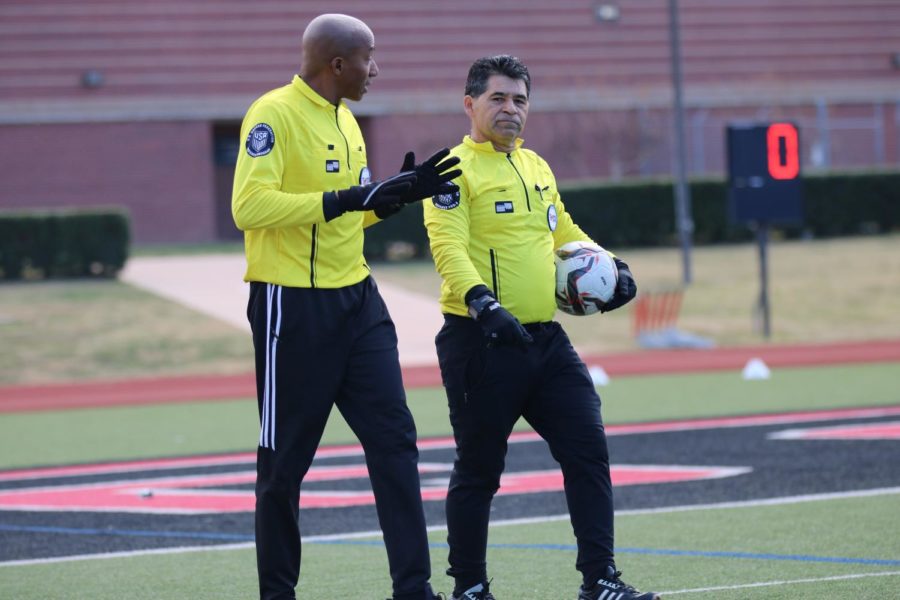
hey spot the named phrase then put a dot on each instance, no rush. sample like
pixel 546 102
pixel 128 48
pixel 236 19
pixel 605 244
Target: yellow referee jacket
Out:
pixel 500 231
pixel 297 146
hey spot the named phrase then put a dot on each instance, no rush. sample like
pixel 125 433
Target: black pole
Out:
pixel 762 236
pixel 684 223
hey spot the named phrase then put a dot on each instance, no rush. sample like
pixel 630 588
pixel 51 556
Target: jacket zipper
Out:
pixel 312 256
pixel 495 274
pixel 524 187
pixel 315 228
pixel 346 143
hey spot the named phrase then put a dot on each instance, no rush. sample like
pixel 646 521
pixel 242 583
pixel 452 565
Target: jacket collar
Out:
pixel 303 87
pixel 487 146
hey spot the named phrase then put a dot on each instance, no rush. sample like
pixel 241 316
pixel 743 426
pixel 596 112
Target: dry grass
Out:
pixel 59 331
pixel 842 289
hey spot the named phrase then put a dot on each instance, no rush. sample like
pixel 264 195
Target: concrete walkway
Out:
pixel 213 284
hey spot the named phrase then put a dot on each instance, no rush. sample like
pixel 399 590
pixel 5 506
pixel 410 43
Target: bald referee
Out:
pixel 303 194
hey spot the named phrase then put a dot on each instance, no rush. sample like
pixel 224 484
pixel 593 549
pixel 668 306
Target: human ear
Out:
pixel 467 104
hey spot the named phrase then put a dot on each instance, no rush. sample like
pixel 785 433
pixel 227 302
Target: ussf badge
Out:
pixel 552 217
pixel 447 199
pixel 260 140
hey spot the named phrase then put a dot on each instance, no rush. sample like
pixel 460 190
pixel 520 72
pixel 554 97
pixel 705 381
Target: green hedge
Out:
pixel 642 213
pixel 63 243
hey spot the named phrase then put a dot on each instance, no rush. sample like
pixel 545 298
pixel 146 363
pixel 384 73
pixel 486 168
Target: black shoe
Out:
pixel 476 592
pixel 611 587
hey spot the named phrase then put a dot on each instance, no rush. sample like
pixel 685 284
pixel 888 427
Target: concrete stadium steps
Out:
pixel 234 47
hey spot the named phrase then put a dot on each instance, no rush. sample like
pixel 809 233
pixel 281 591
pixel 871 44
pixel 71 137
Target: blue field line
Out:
pixel 662 552
pixel 234 537
pixel 193 535
pixel 765 556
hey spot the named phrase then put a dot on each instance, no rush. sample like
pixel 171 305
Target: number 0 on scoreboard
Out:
pixel 764 184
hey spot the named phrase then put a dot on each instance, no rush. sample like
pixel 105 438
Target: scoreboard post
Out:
pixel 764 187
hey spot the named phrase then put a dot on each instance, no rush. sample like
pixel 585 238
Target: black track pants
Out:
pixel 488 389
pixel 316 348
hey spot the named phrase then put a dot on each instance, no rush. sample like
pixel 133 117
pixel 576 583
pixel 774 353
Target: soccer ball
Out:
pixel 586 277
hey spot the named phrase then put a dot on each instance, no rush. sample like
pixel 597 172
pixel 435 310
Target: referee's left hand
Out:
pixel 431 176
pixel 626 288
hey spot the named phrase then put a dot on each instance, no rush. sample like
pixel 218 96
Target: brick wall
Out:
pixel 601 106
pixel 161 172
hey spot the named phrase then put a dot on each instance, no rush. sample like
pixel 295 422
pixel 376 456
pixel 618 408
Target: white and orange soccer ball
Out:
pixel 586 278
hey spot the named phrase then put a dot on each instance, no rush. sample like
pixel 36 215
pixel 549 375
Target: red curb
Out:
pixel 684 361
pixel 192 388
pixel 149 390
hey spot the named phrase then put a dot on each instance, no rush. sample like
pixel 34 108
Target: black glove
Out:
pixel 389 210
pixel 367 197
pixel 500 327
pixel 431 175
pixel 626 288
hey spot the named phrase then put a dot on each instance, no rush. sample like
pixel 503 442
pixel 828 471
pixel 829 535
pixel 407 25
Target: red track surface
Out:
pixel 219 387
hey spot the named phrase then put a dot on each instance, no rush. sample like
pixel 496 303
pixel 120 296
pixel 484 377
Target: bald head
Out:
pixel 337 57
pixel 333 36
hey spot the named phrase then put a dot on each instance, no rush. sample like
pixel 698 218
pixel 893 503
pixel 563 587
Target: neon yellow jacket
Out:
pixel 297 146
pixel 501 231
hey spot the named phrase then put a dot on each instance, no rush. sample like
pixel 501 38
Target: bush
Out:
pixel 643 213
pixel 63 243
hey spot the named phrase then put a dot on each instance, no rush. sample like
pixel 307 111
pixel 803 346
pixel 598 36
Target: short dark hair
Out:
pixel 503 64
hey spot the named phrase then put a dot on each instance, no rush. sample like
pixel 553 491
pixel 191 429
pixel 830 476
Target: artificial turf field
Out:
pixel 814 517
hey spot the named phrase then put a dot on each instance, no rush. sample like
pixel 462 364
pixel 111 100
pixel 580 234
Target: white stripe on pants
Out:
pixel 267 428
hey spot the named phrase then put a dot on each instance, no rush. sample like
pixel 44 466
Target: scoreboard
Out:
pixel 764 184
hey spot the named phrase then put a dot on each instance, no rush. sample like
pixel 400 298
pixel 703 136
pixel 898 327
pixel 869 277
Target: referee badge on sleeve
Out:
pixel 260 140
pixel 447 199
pixel 552 217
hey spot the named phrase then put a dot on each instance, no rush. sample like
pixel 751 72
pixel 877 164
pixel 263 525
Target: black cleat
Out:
pixel 610 587
pixel 476 592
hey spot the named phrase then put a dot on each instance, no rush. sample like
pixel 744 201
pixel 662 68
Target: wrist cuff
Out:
pixel 331 206
pixel 480 304
pixel 476 292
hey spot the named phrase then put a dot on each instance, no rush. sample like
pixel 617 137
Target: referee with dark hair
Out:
pixel 501 355
pixel 321 332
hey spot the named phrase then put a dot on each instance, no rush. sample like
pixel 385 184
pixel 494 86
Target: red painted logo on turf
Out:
pixel 216 493
pixel 871 431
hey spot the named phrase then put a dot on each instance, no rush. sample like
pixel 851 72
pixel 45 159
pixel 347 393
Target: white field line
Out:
pixel 130 554
pixel 724 588
pixel 434 528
